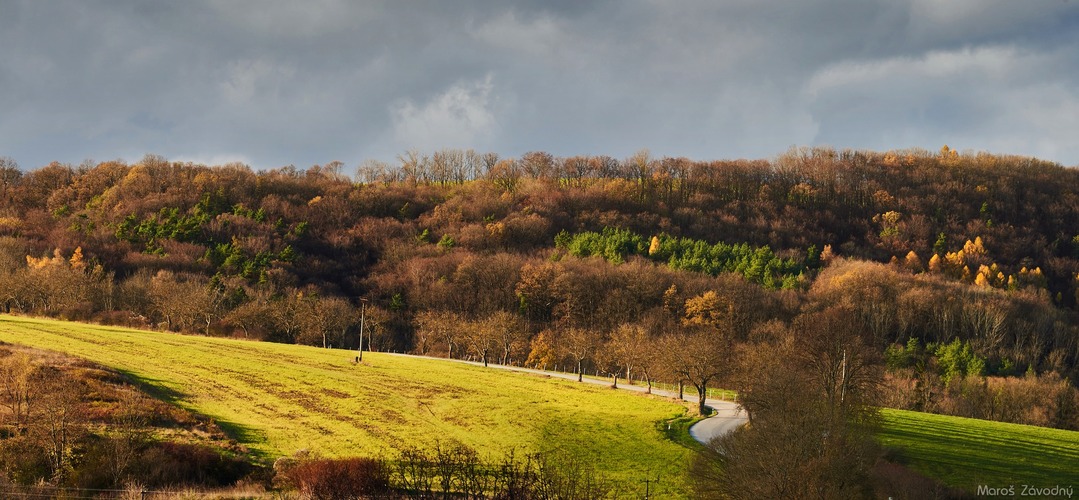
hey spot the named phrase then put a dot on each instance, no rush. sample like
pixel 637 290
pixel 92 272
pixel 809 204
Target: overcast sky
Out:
pixel 273 83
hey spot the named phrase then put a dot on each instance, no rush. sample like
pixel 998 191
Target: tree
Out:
pixel 579 344
pixel 508 332
pixel 19 390
pixel 287 316
pixel 812 414
pixel 185 301
pixel 60 423
pixel 435 326
pixel 326 319
pixel 628 348
pixel 700 356
pixel 55 284
pixel 734 308
pixel 913 263
pixel 482 337
pixel 535 292
pixel 839 360
pixel 129 421
pixel 609 362
pixel 379 327
pixel 935 265
pixel 542 352
pixel 505 174
pixel 254 315
pixel 537 164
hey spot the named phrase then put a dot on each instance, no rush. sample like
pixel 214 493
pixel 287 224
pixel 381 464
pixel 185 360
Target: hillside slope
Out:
pixel 277 399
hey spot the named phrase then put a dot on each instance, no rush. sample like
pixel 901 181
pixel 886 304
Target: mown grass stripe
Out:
pixel 967 452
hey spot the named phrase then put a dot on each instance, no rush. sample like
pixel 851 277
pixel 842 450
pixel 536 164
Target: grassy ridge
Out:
pixel 965 452
pixel 277 399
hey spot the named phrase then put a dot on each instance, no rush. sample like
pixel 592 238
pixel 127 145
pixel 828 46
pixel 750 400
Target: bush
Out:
pixel 340 479
pixel 170 464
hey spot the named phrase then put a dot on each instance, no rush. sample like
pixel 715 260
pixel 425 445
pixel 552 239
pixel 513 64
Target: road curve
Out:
pixel 727 416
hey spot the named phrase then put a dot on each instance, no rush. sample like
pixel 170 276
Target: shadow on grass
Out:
pixel 244 434
pixel 153 387
pixel 965 453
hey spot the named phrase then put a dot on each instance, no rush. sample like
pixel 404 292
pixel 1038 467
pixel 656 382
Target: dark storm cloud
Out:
pixel 278 82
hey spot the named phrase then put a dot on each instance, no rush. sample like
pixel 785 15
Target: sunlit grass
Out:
pixel 277 399
pixel 965 452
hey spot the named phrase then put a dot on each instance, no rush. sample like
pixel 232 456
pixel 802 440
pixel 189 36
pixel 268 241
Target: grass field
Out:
pixel 965 453
pixel 277 399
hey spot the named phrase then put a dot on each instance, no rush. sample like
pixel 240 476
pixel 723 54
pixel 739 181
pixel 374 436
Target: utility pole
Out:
pixel 363 309
pixel 843 380
pixel 648 486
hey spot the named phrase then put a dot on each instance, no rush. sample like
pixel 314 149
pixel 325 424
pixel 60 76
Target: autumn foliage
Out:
pixel 551 261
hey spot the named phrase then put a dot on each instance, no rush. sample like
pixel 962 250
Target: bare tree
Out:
pixel 19 392
pixel 579 344
pixel 436 326
pixel 482 337
pixel 699 356
pixel 326 319
pixel 630 349
pixel 807 440
pixel 60 423
pixel 508 331
pixel 287 314
pixel 253 315
pixel 843 366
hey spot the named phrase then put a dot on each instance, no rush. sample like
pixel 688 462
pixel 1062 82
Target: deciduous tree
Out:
pixel 700 356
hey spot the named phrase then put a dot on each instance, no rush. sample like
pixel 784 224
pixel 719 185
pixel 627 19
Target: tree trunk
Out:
pixel 702 392
pixel 681 393
pixel 614 375
pixel 580 371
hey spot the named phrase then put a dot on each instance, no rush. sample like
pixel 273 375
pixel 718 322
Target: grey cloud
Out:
pixel 277 82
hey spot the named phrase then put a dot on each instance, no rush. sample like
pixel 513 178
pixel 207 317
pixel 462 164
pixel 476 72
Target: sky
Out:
pixel 279 82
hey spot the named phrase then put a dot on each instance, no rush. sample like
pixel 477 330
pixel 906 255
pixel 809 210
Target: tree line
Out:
pixel 558 261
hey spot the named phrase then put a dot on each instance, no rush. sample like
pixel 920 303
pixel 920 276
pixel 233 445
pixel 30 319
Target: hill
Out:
pixel 278 399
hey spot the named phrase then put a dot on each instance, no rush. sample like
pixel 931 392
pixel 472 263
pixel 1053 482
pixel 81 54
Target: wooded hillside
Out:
pixel 510 259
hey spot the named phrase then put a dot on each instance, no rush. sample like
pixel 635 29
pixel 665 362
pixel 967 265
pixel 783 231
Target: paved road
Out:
pixel 728 415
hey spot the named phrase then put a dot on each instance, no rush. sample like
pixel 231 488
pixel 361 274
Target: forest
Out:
pixel 925 247
pixel 820 285
pixel 959 271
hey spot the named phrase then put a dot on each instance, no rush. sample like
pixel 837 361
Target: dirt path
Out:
pixel 728 415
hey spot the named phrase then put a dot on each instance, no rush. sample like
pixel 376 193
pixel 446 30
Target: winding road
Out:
pixel 727 415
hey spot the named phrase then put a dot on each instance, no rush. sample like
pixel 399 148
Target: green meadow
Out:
pixel 277 399
pixel 966 452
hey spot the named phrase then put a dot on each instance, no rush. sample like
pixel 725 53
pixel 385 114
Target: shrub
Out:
pixel 169 464
pixel 341 479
